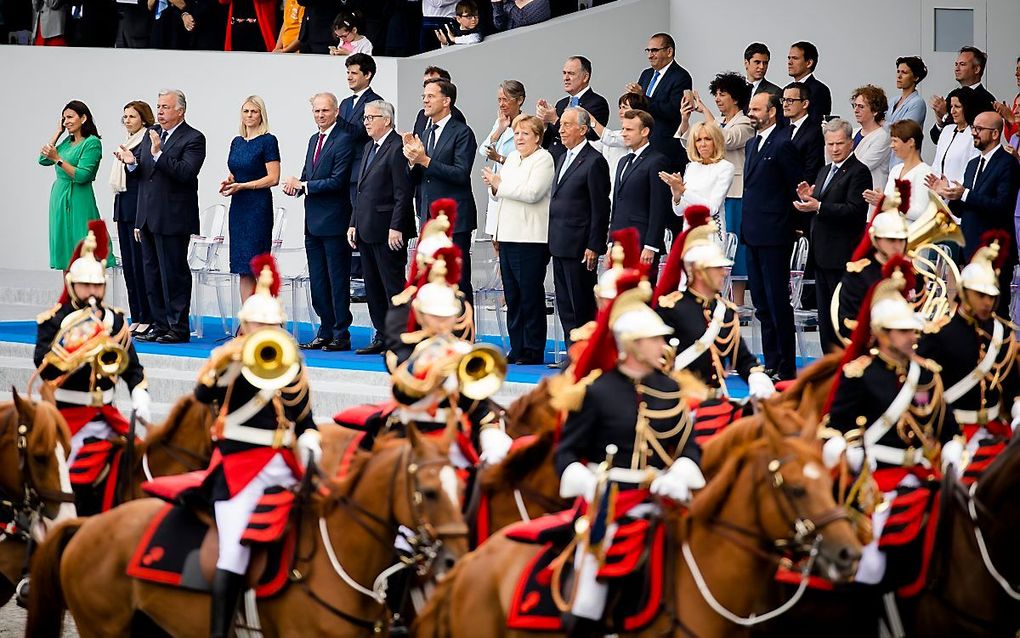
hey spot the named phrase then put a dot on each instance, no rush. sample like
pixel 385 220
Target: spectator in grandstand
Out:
pixel 664 83
pixel 49 18
pixel 1011 113
pixel 420 120
pixel 316 34
pixel 206 24
pixel 290 28
pixel 613 147
pixel 171 25
pixel 251 25
pixel 576 82
pixel 496 147
pixel 801 63
pixel 708 177
pixel 871 141
pixel 467 29
pixel 956 145
pixel 135 26
pixel 756 65
pixel 347 31
pixel 512 14
pixel 906 137
pixel 910 71
pixel 968 71
pixel 436 15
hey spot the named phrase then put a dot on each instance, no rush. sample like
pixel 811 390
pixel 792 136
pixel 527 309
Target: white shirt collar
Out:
pixel 754 85
pixel 975 86
pixel 805 78
pixel 357 94
pixel 797 123
pixel 764 135
pixel 171 131
pixel 988 156
pixel 382 139
pixel 441 124
pixel 640 150
pixel 329 130
pixel 580 93
pixel 839 165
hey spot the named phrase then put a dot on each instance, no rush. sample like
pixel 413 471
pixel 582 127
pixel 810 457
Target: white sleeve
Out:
pixel 528 186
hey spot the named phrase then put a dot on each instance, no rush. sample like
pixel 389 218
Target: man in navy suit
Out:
pixel 576 82
pixel 578 220
pixel 804 132
pixel 441 156
pixel 772 170
pixel 435 73
pixel 801 63
pixel 968 71
pixel 169 163
pixel 324 183
pixel 383 217
pixel 360 73
pixel 640 199
pixel 986 200
pixel 664 83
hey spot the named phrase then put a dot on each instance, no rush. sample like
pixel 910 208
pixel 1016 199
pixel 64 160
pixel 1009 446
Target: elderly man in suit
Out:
pixel 323 183
pixel 801 63
pixel 640 199
pixel 664 83
pixel 576 82
pixel 835 202
pixel 441 157
pixel 772 170
pixel 756 65
pixel 383 218
pixel 169 162
pixel 986 200
pixel 578 220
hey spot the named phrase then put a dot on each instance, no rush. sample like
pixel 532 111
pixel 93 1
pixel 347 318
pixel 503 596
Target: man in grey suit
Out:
pixel 756 65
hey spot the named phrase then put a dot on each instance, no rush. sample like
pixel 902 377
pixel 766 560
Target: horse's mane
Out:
pixel 524 405
pixel 518 464
pixel 166 430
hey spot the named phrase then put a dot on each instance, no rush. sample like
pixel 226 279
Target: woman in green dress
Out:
pixel 72 201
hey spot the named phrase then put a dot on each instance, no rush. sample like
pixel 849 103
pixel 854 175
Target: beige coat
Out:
pixel 522 212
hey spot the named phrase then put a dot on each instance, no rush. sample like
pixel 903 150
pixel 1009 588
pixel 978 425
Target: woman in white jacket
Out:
pixel 708 176
pixel 871 141
pixel 907 137
pixel 521 236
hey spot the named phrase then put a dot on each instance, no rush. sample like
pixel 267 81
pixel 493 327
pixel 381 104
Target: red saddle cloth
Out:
pixel 364 417
pixel 987 451
pixel 712 416
pixel 98 465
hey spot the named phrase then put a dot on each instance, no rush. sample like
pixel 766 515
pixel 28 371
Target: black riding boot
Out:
pixel 226 595
pixel 397 592
pixel 583 627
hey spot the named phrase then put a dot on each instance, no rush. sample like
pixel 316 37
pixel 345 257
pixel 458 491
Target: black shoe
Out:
pixel 150 335
pixel 530 360
pixel 337 345
pixel 584 628
pixel 171 337
pixel 226 596
pixel 314 344
pixel 376 347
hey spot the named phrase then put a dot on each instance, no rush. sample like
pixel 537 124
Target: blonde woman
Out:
pixel 254 165
pixel 708 176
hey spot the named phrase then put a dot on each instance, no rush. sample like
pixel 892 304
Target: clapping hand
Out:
pixel 805 190
pixel 807 203
pixel 938 104
pixel 1004 111
pixel 944 187
pixel 49 151
pixel 228 186
pixel 634 87
pixel 156 146
pixel 491 179
pixel 675 181
pixel 414 150
pixel 1012 150
pixel 546 112
pixel 873 197
pixel 124 154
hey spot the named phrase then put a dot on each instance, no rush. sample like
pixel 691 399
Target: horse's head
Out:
pixel 34 445
pixel 998 492
pixel 534 412
pixel 187 429
pixel 770 484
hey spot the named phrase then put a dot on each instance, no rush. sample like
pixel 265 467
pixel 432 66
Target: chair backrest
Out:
pixel 730 245
pixel 205 247
pixel 279 226
pixel 797 262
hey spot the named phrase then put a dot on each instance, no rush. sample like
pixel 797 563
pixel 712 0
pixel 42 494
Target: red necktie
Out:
pixel 318 147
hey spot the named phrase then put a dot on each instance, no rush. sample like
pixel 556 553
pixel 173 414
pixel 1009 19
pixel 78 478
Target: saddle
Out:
pixel 713 415
pixel 95 474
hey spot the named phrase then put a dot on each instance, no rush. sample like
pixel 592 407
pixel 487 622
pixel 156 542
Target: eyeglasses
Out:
pixel 655 50
pixel 981 128
pixel 368 118
pixel 857 106
pixel 467 16
pixel 790 100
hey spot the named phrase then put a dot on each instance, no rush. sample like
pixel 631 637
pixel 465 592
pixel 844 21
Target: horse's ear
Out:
pixel 810 416
pixel 414 436
pixel 770 430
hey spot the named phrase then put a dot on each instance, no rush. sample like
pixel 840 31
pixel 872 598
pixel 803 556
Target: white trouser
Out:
pixel 98 429
pixel 871 568
pixel 232 516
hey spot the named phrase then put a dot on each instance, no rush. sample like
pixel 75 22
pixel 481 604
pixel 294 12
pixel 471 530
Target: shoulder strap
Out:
pixel 704 342
pixel 964 385
pixel 899 405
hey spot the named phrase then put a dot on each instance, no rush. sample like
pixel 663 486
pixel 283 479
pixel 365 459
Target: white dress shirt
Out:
pixel 440 127
pixel 954 150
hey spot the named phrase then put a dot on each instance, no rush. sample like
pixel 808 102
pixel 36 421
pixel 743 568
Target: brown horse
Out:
pixel 768 490
pixel 35 489
pixel 348 531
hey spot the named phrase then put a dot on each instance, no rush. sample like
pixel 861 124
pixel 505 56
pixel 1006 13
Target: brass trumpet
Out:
pixel 933 262
pixel 481 372
pixel 269 358
pixel 110 360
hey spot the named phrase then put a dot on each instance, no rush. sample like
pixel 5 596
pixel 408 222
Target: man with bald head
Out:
pixel 986 200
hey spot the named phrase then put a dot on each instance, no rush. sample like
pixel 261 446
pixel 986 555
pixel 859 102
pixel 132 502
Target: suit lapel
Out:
pixel 383 148
pixel 326 144
pixel 445 135
pixel 756 158
pixel 181 130
pixel 582 156
pixel 630 169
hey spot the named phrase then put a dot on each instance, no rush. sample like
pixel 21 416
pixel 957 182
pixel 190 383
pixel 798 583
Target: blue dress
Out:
pixel 251 211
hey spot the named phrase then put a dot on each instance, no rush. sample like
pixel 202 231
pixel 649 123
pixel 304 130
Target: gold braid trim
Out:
pixel 566 396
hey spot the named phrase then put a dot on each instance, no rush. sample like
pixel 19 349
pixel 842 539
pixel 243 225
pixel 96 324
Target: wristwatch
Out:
pixel 60 162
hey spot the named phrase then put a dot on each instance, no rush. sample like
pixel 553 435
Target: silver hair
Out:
pixel 583 116
pixel 838 124
pixel 332 98
pixel 182 102
pixel 385 109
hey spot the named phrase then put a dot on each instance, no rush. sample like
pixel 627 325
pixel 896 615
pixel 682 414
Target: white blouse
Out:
pixel 522 214
pixel 873 152
pixel 918 189
pixel 707 185
pixel 953 152
pixel 736 134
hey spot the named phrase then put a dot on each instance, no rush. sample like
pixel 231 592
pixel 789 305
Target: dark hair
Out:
pixel 667 40
pixel 916 66
pixel 88 129
pixel 637 101
pixel 755 48
pixel 466 7
pixel 584 62
pixel 971 108
pixel 775 102
pixel 734 85
pixel 978 54
pixel 363 61
pixel 435 70
pixel 810 52
pixel 446 87
pixel 647 121
pixel 144 111
pixel 350 20
pixel 906 130
pixel 802 89
pixel 875 97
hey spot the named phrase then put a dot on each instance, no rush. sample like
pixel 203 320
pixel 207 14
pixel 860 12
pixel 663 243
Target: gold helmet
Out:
pixel 624 256
pixel 87 265
pixel 263 306
pixel 982 273
pixel 439 297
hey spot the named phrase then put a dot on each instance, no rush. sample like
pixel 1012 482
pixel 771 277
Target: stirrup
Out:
pixel 21 593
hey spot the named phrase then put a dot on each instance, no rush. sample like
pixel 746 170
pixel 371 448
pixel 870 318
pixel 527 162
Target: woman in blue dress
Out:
pixel 254 164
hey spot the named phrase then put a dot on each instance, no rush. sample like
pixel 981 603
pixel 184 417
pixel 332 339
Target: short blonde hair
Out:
pixel 262 128
pixel 536 125
pixel 717 137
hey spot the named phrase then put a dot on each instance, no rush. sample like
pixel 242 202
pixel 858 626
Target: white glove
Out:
pixel 140 403
pixel 760 386
pixel 952 454
pixel 855 459
pixel 309 443
pixel 495 445
pixel 832 451
pixel 678 481
pixel 1015 413
pixel 578 480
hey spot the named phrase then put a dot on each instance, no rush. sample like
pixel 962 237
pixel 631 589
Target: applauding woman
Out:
pixel 708 176
pixel 72 201
pixel 254 164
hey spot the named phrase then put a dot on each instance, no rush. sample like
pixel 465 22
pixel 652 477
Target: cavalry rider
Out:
pixel 887 406
pixel 263 405
pixel 82 347
pixel 978 353
pixel 884 238
pixel 626 401
pixel 705 326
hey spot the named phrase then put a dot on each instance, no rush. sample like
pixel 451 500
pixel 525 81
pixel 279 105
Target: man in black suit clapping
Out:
pixel 835 202
pixel 383 217
pixel 576 82
pixel 578 220
pixel 664 83
pixel 169 161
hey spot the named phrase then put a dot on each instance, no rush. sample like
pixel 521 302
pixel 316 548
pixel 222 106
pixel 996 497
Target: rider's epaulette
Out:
pixel 43 317
pixel 855 369
pixel 729 304
pixel 857 266
pixel 929 364
pixel 404 296
pixel 668 301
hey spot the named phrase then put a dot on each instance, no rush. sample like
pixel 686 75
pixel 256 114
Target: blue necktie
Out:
pixel 370 158
pixel 574 101
pixel 160 7
pixel 651 85
pixel 430 141
pixel 832 173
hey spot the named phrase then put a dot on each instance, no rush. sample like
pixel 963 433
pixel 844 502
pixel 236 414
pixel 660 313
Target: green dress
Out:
pixel 72 201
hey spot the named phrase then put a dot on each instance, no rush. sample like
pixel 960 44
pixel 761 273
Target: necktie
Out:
pixel 627 161
pixel 371 157
pixel 566 164
pixel 652 83
pixel 162 138
pixel 574 101
pixel 318 149
pixel 977 173
pixel 160 7
pixel 430 141
pixel 754 149
pixel 832 173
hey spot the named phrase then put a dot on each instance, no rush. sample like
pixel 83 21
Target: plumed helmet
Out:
pixel 263 306
pixel 981 274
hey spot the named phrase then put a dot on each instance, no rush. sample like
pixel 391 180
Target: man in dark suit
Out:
pixel 360 73
pixel 441 156
pixel 756 65
pixel 835 203
pixel 772 171
pixel 576 79
pixel 435 73
pixel 323 182
pixel 578 220
pixel 135 26
pixel 804 132
pixel 383 217
pixel 169 162
pixel 640 199
pixel 968 71
pixel 986 200
pixel 664 83
pixel 801 63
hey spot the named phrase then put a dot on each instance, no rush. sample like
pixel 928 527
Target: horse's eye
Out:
pixel 798 491
pixel 430 493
